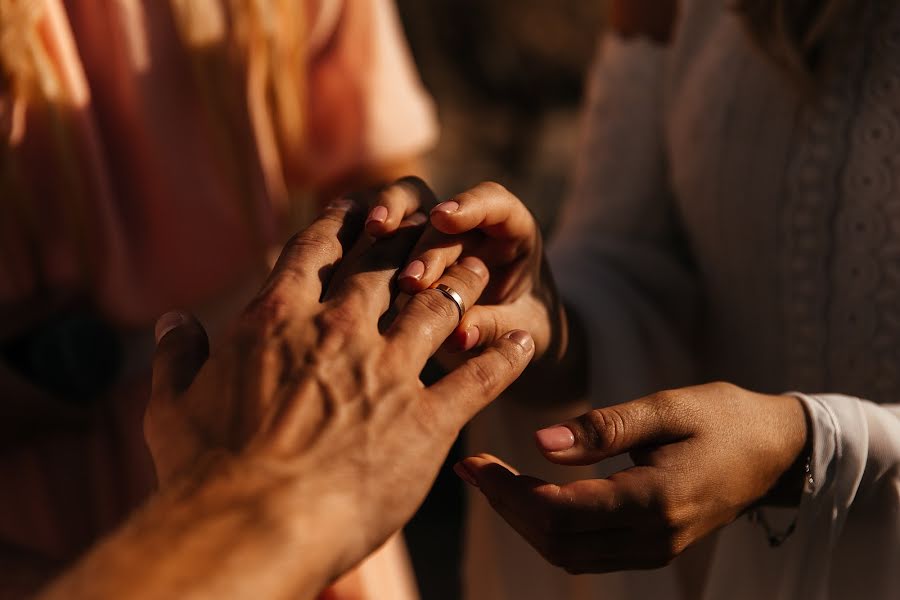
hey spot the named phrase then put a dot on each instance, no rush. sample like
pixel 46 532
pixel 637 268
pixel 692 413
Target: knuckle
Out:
pixel 466 278
pixel 508 359
pixel 312 238
pixel 434 303
pixel 674 547
pixel 603 428
pixel 435 258
pixel 673 516
pixel 666 401
pixel 266 313
pixel 483 377
pixel 492 187
pixel 470 197
pixel 670 547
pixel 337 321
pixel 489 325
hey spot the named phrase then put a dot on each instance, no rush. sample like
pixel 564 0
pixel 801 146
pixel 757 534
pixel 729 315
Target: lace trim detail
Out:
pixel 842 226
pixel 865 319
pixel 811 201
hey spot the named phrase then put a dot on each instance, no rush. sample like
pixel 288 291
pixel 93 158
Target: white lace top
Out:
pixel 723 228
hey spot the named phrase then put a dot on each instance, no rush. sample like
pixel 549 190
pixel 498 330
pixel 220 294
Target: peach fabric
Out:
pixel 152 173
pixel 158 175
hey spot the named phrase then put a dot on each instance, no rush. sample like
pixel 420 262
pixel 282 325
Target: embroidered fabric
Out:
pixel 841 220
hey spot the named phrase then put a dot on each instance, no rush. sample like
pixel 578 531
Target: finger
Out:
pixel 561 522
pixel 482 325
pixel 526 527
pixel 365 280
pixel 527 504
pixel 488 207
pixel 429 317
pixel 580 506
pixel 434 252
pixel 606 432
pixel 182 348
pixel 471 386
pixel 308 260
pixel 395 203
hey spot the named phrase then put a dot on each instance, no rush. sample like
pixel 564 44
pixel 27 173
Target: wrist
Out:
pixel 231 515
pixel 794 453
pixel 213 531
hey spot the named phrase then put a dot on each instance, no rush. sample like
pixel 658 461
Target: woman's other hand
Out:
pixel 702 455
pixel 312 405
pixel 490 223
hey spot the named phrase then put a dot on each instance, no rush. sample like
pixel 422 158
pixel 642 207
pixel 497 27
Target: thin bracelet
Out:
pixel 777 538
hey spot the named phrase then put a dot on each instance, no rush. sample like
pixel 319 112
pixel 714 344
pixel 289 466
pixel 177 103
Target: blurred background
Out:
pixel 507 76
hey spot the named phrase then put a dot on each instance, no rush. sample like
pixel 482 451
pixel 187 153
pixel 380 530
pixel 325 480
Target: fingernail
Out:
pixel 555 439
pixel 413 270
pixel 451 206
pixel 340 204
pixel 464 474
pixel 417 219
pixel 475 265
pixel 473 334
pixel 167 323
pixel 522 338
pixel 379 214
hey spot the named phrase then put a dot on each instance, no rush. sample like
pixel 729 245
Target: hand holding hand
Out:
pixel 490 223
pixel 312 404
pixel 702 456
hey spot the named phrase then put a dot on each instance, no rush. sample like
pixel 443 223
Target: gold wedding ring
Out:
pixel 453 295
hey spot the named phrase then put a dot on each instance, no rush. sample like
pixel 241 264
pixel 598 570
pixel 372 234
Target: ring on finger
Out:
pixel 453 295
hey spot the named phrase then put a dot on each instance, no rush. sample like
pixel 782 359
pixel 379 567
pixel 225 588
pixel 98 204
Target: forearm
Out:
pixel 213 535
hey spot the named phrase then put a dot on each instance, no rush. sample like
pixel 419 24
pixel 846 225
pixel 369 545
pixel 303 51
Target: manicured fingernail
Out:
pixel 464 474
pixel 555 439
pixel 379 214
pixel 340 204
pixel 451 206
pixel 417 219
pixel 413 270
pixel 475 265
pixel 522 338
pixel 473 334
pixel 167 323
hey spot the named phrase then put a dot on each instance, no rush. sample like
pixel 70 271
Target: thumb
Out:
pixel 607 432
pixel 181 349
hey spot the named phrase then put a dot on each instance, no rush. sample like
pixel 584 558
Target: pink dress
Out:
pixel 153 156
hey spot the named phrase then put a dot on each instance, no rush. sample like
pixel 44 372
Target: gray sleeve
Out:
pixel 618 254
pixel 849 517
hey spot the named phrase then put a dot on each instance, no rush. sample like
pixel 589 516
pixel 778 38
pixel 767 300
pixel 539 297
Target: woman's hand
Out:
pixel 490 223
pixel 313 404
pixel 702 456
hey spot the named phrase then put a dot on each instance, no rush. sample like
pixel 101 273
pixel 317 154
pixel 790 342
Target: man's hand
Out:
pixel 702 456
pixel 304 441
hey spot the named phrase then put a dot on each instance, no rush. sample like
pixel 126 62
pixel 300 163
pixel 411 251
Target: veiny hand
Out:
pixel 314 401
pixel 702 456
pixel 490 223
